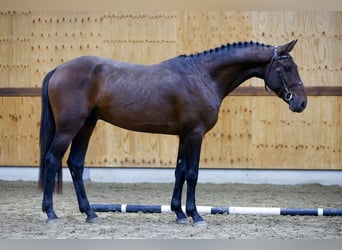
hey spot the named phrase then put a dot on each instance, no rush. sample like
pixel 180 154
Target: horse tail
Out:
pixel 47 134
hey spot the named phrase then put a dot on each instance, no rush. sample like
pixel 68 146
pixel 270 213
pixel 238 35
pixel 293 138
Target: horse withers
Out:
pixel 180 96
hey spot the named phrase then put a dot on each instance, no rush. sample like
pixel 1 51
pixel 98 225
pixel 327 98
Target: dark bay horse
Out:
pixel 181 96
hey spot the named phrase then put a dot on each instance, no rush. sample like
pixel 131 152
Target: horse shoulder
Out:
pixel 196 101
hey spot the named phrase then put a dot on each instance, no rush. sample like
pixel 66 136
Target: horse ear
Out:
pixel 287 47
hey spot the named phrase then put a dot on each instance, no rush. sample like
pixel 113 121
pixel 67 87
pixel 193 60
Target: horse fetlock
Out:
pixel 198 220
pixel 47 206
pixel 84 207
pixel 190 210
pixel 91 215
pixel 181 217
pixel 51 216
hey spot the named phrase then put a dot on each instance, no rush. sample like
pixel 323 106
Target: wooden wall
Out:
pixel 252 132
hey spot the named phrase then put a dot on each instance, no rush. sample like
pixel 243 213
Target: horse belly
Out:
pixel 138 115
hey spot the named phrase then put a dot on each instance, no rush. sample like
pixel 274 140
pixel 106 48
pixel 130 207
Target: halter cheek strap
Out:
pixel 286 93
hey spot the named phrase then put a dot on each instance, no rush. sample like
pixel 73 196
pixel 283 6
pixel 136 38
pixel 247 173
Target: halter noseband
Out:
pixel 285 93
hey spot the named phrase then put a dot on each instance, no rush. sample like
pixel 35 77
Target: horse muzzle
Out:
pixel 297 104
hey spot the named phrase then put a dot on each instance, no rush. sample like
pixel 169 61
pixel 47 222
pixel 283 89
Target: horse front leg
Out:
pixel 192 151
pixel 176 201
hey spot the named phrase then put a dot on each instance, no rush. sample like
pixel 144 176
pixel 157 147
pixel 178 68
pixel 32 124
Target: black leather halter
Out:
pixel 284 92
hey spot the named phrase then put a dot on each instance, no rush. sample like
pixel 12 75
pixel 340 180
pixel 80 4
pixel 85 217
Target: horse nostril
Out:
pixel 303 105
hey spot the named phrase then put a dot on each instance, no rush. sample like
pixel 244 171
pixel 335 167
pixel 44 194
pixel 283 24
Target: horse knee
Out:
pixel 180 175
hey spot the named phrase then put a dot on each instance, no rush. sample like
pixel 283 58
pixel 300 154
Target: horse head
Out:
pixel 282 78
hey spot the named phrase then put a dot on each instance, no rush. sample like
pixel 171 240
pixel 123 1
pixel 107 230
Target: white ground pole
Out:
pixel 136 208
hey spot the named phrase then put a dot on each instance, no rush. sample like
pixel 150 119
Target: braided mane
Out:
pixel 228 46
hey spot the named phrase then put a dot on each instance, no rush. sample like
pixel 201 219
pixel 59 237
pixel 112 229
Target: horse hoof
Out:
pixel 200 223
pixel 183 221
pixel 92 220
pixel 52 220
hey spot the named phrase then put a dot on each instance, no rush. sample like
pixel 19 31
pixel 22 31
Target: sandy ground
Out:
pixel 21 216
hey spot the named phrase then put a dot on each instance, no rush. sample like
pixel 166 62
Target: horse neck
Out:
pixel 230 67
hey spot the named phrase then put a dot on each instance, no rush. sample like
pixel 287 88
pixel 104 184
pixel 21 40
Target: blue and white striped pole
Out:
pixel 134 208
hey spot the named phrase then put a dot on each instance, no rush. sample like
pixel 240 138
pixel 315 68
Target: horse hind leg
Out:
pixel 76 166
pixel 53 162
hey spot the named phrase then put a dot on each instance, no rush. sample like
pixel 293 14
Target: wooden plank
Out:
pixel 242 91
pixel 20 91
pixel 19 119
